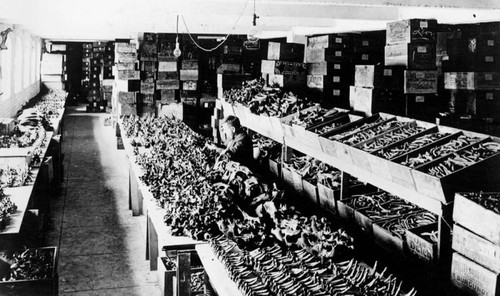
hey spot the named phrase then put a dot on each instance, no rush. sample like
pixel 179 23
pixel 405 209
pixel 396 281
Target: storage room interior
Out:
pixel 250 147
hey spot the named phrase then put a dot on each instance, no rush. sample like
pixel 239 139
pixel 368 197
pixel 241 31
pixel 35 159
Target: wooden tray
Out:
pixel 476 218
pixel 310 191
pixel 478 176
pixel 49 286
pixel 327 198
pixel 476 248
pixel 419 247
pixel 472 278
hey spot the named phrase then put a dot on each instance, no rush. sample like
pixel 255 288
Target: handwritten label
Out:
pixel 315 81
pixel 421 248
pixel 419 99
pixel 315 55
pixel 420 82
pixel 424 24
pixel 387 72
pixel 365 57
pixel 421 49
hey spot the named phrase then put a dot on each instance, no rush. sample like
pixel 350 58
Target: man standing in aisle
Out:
pixel 239 146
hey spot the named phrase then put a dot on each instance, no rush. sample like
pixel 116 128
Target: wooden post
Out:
pixel 184 273
pixel 153 245
pixel 444 243
pixel 344 185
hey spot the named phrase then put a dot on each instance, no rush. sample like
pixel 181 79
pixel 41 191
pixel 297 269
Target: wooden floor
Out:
pixel 102 247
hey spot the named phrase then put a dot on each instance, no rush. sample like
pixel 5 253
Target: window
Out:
pixel 6 68
pixel 26 60
pixel 18 61
pixel 38 58
pixel 33 61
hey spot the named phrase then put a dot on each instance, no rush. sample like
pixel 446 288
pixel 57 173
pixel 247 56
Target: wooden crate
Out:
pixel 282 67
pixel 318 55
pixel 467 213
pixel 189 65
pixel 49 286
pixel 419 247
pixel 419 56
pixel 189 85
pixel 472 278
pixel 188 75
pixel 345 211
pixel 148 87
pixel 420 82
pixel 329 41
pixel 288 82
pixel 128 75
pixel 460 80
pixel 125 66
pixel 171 84
pixel 167 66
pixel 127 97
pixel 291 52
pixel 411 30
pixel 476 248
pixel 127 57
pixel 488 80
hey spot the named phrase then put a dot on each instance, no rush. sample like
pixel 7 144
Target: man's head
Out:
pixel 231 126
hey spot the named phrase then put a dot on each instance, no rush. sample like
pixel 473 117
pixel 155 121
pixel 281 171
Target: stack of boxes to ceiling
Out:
pixel 148 55
pixel 329 69
pixel 229 74
pixel 377 88
pixel 107 75
pixel 86 55
pixel 284 66
pixel 53 70
pixel 412 44
pixel 189 74
pixel 94 97
pixel 127 79
pixel 475 268
pixel 472 70
pixel 167 83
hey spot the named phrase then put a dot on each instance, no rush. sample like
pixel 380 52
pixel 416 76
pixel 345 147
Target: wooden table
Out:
pixel 216 272
pixel 141 201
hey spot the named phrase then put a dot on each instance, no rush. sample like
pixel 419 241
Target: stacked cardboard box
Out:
pixel 53 70
pixel 107 76
pixel 284 66
pixel 94 95
pixel 127 79
pixel 378 88
pixel 368 48
pixel 148 56
pixel 329 68
pixel 167 84
pixel 412 44
pixel 231 59
pixel 188 76
pixel 86 55
pixel 472 70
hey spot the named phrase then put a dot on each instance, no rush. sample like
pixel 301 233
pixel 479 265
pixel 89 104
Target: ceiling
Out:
pixel 72 20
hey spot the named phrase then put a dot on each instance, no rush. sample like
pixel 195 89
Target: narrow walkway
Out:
pixel 102 247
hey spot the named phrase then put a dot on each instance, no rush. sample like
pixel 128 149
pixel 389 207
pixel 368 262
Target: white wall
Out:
pixel 11 100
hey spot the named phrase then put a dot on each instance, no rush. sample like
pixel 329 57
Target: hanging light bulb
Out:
pixel 177 50
pixel 254 32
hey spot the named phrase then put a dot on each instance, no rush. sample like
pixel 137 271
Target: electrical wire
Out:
pixel 225 38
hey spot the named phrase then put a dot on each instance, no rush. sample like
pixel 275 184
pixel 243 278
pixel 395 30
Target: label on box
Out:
pixel 491 42
pixel 338 53
pixel 336 66
pixel 420 82
pixel 424 24
pixel 488 59
pixel 419 99
pixel 488 76
pixel 336 78
pixel 336 92
pixel 421 49
pixel 365 43
pixel 387 72
pixel 365 57
pixel 489 96
pixel 315 81
pixel 338 40
pixel 459 80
